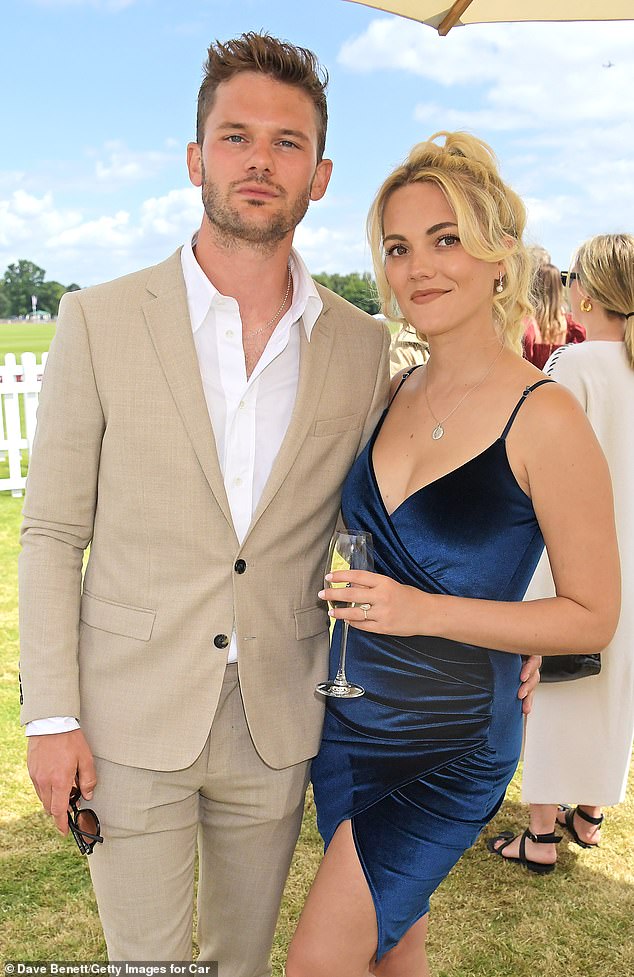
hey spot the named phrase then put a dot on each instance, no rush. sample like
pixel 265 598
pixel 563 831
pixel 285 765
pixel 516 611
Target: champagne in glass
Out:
pixel 347 551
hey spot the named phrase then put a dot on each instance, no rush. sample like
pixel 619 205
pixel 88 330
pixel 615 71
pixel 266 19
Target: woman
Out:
pixel 456 488
pixel 563 759
pixel 552 326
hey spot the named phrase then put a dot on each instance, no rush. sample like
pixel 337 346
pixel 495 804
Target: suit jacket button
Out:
pixel 240 566
pixel 221 641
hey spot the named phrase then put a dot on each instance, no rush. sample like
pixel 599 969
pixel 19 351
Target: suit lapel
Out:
pixel 313 366
pixel 168 321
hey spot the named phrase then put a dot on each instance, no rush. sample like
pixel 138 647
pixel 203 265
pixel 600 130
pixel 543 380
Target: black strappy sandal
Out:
pixel 507 837
pixel 568 823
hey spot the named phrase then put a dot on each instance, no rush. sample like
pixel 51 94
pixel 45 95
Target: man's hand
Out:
pixel 55 761
pixel 530 680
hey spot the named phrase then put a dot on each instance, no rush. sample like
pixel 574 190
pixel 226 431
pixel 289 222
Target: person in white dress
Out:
pixel 579 735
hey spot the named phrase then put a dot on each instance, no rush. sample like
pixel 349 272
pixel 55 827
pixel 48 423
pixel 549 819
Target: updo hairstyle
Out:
pixel 490 217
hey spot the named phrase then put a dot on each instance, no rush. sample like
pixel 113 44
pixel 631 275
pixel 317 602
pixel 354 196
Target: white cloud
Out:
pixel 120 164
pixel 480 120
pixel 331 249
pixel 102 233
pixel 401 45
pixel 72 245
pixel 531 75
pixel 545 216
pixel 25 218
pixel 25 205
pixel 560 121
pixel 110 168
pixel 173 215
pixel 76 246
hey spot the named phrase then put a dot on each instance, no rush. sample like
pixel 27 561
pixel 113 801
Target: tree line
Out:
pixel 20 282
pixel 24 279
pixel 359 290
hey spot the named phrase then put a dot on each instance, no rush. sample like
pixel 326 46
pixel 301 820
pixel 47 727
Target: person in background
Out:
pixel 579 735
pixel 459 489
pixel 552 326
pixel 538 255
pixel 407 349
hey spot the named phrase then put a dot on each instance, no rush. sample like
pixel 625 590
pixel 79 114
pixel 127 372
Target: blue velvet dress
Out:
pixel 421 762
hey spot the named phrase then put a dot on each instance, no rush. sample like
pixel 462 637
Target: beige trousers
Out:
pixel 245 817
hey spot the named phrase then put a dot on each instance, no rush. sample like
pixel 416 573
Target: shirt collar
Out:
pixel 201 292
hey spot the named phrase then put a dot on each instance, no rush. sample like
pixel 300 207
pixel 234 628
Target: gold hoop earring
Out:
pixel 585 305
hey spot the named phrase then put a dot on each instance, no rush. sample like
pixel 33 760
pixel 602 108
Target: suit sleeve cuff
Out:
pixel 56 724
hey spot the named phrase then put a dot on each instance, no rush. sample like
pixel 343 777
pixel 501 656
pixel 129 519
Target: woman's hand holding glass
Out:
pixel 383 606
pixel 377 603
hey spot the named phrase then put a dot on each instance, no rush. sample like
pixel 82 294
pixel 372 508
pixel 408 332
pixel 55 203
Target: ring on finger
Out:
pixel 365 608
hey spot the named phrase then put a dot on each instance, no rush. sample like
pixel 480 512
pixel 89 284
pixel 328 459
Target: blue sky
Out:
pixel 98 102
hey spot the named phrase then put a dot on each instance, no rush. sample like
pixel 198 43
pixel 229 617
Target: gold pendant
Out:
pixel 438 432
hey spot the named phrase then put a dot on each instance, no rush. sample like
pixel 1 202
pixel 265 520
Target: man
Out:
pixel 195 424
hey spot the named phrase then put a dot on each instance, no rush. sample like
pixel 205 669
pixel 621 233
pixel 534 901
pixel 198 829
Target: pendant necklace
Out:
pixel 258 332
pixel 439 430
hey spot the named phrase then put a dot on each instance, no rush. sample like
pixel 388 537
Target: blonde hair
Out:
pixel 490 217
pixel 549 300
pixel 539 255
pixel 605 267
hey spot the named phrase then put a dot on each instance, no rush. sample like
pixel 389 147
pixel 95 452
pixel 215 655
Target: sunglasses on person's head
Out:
pixel 567 277
pixel 83 824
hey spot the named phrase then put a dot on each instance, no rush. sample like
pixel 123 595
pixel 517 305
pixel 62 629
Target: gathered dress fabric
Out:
pixel 579 735
pixel 420 763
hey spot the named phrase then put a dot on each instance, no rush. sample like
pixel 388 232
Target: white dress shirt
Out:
pixel 249 416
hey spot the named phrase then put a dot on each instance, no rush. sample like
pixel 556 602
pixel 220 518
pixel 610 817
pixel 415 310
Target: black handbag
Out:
pixel 567 668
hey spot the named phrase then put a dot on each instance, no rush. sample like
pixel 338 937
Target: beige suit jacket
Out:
pixel 124 460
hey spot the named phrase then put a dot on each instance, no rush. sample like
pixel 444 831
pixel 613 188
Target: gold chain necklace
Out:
pixel 258 332
pixel 439 430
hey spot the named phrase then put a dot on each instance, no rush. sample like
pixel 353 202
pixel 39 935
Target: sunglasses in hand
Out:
pixel 83 824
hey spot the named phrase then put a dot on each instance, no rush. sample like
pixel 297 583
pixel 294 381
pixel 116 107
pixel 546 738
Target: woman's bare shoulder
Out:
pixel 552 418
pixel 410 376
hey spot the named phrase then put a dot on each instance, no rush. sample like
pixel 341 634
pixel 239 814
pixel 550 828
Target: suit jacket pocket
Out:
pixel 107 615
pixel 337 425
pixel 310 621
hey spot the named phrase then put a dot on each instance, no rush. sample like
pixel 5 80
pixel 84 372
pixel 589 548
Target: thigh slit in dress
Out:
pixel 421 762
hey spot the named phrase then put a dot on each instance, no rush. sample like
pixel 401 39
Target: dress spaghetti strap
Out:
pixel 525 394
pixel 404 377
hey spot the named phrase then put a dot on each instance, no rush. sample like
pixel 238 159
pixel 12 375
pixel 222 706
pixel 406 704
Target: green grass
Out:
pixel 488 919
pixel 18 338
pixel 34 337
pixel 25 337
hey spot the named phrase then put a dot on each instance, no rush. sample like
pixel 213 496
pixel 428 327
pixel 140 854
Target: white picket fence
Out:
pixel 18 380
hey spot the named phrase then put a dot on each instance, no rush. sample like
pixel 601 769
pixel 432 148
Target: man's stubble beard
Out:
pixel 234 230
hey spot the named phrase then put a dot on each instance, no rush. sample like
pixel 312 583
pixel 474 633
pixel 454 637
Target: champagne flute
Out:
pixel 347 551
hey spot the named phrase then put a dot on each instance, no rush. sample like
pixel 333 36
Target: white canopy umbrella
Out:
pixel 443 14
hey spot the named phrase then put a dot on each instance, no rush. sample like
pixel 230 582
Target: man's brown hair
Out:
pixel 269 56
